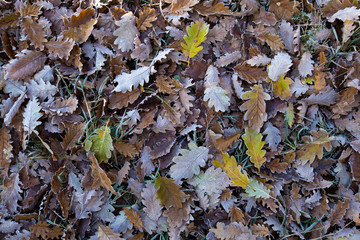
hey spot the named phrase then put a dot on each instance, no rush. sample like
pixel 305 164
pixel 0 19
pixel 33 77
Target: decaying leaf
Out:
pixel 106 233
pixel 255 106
pixel 189 163
pixel 6 150
pixel 169 193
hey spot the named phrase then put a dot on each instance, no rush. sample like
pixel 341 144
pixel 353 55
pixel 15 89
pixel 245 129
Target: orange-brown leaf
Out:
pixel 80 27
pixel 281 88
pixel 120 100
pixel 133 217
pixel 274 41
pixel 312 148
pixel 145 18
pixel 9 20
pixel 338 212
pixel 255 106
pixel 169 192
pixel 284 9
pixel 72 135
pixel 343 106
pixel 60 47
pixel 106 233
pixel 249 73
pixel 34 32
pixel 207 9
pixel 223 143
pixel 126 149
pixel 100 177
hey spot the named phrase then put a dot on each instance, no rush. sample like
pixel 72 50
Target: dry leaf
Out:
pixel 169 193
pixel 279 66
pixel 306 65
pixel 126 32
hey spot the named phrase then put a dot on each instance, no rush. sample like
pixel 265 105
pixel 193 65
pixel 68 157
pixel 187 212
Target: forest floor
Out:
pixel 179 119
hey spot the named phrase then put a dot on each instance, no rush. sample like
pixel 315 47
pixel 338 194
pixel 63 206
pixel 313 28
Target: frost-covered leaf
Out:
pixel 15 88
pixel 151 202
pixel 189 163
pixel 209 185
pixel 259 60
pixel 255 106
pixel 5 150
pixel 31 116
pixel 256 189
pixel 126 32
pixel 60 47
pixel 10 194
pixel 106 233
pixel 41 89
pixel 306 65
pixel 279 66
pixel 349 13
pixel 273 137
pixel 169 192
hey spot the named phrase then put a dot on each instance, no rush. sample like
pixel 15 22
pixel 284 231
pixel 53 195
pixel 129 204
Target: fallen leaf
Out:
pixel 254 144
pixel 196 33
pixel 100 144
pixel 169 192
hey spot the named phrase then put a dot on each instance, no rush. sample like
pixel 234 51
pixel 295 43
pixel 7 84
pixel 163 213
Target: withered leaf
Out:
pixel 274 41
pixel 25 64
pixel 169 193
pixel 106 233
pixel 80 27
pixel 133 217
pixel 6 150
pixel 126 33
pixel 145 18
pixel 60 47
pixel 74 132
pixel 250 74
pixel 151 202
pixel 34 32
pixel 207 9
pixel 100 177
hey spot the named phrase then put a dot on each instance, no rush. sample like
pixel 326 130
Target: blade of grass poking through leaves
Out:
pixel 254 144
pixel 196 33
pixel 229 165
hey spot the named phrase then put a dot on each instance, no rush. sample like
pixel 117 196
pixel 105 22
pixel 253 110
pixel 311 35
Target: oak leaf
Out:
pixel 127 81
pixel 279 66
pixel 213 93
pixel 145 18
pixel 339 212
pixel 126 149
pixel 126 33
pixel 133 217
pixel 151 202
pixel 255 106
pixel 169 192
pixel 284 9
pixel 61 106
pixel 196 33
pixel 229 165
pixel 273 137
pixel 33 32
pixel 281 88
pixel 25 64
pixel 274 41
pixel 256 189
pixel 100 177
pixel 306 65
pixel 314 146
pixel 254 144
pixel 180 6
pixel 224 143
pixel 43 229
pixel 100 144
pixel 234 230
pixel 10 192
pixel 106 233
pixel 349 13
pixel 258 60
pixel 31 116
pixel 216 8
pixel 41 89
pixel 80 27
pixel 60 47
pixel 120 100
pixel 189 163
pixel 5 150
pixel 9 20
pixel 209 185
pixel 250 74
pixel 74 132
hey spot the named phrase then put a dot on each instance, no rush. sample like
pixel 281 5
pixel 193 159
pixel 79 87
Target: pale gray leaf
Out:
pixel 279 66
pixel 151 202
pixel 126 32
pixel 306 65
pixel 41 89
pixel 273 137
pixel 16 88
pixel 31 116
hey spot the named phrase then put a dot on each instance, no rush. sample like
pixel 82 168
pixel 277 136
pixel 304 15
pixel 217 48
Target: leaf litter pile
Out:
pixel 180 119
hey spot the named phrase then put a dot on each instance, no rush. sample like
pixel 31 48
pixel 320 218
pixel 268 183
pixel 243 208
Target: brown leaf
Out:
pixel 250 74
pixel 236 214
pixel 80 27
pixel 133 217
pixel 25 64
pixel 344 105
pixel 106 233
pixel 169 193
pixel 177 217
pixel 5 150
pixel 34 32
pixel 61 107
pixel 224 143
pixel 178 7
pixel 151 202
pixel 123 172
pixel 9 20
pixel 126 149
pixel 333 6
pixel 145 18
pixel 60 48
pixel 338 212
pixel 10 193
pixel 120 100
pixel 43 229
pixel 276 166
pixel 274 41
pixel 284 9
pixel 29 10
pixel 354 162
pixel 265 17
pixel 75 131
pixel 233 230
pixel 207 9
pixel 100 177
pixel 255 106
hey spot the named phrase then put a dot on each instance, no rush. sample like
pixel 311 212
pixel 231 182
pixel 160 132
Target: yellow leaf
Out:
pixel 255 106
pixel 281 88
pixel 100 144
pixel 254 144
pixel 233 170
pixel 289 115
pixel 196 33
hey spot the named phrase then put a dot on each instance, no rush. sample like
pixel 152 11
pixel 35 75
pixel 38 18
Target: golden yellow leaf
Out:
pixel 229 165
pixel 281 88
pixel 254 144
